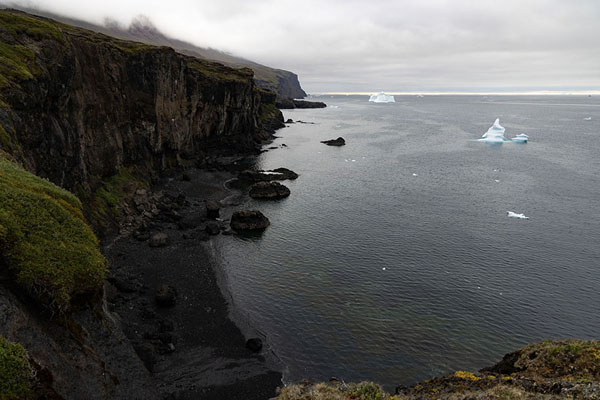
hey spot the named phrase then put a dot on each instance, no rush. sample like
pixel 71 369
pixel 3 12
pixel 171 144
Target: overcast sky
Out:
pixel 402 45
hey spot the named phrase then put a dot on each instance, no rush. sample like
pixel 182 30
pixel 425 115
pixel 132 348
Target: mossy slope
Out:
pixel 44 240
pixel 15 371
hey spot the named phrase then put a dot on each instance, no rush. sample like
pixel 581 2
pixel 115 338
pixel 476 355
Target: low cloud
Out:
pixel 352 45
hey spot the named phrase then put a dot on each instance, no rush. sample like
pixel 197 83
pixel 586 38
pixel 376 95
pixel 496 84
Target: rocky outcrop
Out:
pixel 335 142
pixel 78 106
pixel 249 220
pixel 277 174
pixel 289 103
pixel 542 371
pixel 269 191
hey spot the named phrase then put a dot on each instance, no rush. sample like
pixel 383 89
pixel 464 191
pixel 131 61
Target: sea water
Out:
pixel 394 260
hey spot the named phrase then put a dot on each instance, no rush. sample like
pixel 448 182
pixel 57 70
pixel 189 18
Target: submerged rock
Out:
pixel 249 220
pixel 269 191
pixel 335 142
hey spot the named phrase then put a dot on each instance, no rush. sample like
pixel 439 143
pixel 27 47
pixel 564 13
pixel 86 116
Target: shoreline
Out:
pixel 195 349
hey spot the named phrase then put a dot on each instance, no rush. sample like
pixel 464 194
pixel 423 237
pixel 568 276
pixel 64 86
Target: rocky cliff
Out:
pixel 77 106
pixel 284 83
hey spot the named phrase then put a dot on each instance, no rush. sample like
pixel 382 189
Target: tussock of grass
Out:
pixel 335 391
pixel 15 371
pixel 44 239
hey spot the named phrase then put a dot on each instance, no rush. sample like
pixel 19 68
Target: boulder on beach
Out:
pixel 249 220
pixel 269 191
pixel 159 240
pixel 335 142
pixel 212 209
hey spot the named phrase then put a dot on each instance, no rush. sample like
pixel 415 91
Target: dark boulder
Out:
pixel 212 209
pixel 159 240
pixel 249 220
pixel 289 121
pixel 212 228
pixel 335 142
pixel 165 296
pixel 269 191
pixel 254 345
pixel 277 174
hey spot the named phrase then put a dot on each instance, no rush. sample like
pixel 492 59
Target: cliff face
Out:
pixel 82 104
pixel 284 83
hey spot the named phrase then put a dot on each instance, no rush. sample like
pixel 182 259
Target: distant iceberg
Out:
pixel 381 98
pixel 587 119
pixel 512 214
pixel 495 134
pixel 520 138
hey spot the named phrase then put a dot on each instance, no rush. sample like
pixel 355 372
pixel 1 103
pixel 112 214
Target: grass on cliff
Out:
pixel 15 371
pixel 17 23
pixel 335 391
pixel 44 239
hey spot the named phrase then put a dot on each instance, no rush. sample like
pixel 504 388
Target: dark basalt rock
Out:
pixel 165 296
pixel 291 103
pixel 249 220
pixel 335 142
pixel 269 191
pixel 159 240
pixel 278 174
pixel 213 228
pixel 212 209
pixel 289 121
pixel 254 345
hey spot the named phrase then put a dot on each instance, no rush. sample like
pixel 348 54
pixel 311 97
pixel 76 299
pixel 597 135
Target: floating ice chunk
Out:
pixel 495 134
pixel 381 98
pixel 587 118
pixel 420 95
pixel 383 268
pixel 515 215
pixel 520 138
pixel 353 160
pixel 496 180
pixel 415 174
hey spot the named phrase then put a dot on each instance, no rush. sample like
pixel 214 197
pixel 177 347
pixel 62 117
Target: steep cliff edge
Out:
pixel 284 83
pixel 77 106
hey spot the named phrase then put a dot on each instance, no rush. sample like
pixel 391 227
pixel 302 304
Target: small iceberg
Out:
pixel 381 98
pixel 520 138
pixel 587 119
pixel 515 215
pixel 495 134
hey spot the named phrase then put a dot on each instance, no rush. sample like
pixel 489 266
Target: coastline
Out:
pixel 195 349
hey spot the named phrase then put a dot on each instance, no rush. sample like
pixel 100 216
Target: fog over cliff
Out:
pixel 410 45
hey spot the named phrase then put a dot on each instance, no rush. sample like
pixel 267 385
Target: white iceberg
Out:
pixel 381 98
pixel 587 119
pixel 520 138
pixel 515 215
pixel 495 134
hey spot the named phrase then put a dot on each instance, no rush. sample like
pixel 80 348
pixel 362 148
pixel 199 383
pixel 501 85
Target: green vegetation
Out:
pixel 219 71
pixel 106 200
pixel 268 112
pixel 335 391
pixel 45 240
pixel 15 371
pixel 17 23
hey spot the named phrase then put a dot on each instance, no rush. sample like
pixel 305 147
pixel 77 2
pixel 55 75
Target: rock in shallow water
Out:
pixel 335 142
pixel 212 209
pixel 249 220
pixel 255 345
pixel 269 191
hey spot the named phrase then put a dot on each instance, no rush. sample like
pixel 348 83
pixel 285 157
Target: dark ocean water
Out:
pixel 370 272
